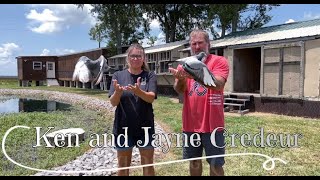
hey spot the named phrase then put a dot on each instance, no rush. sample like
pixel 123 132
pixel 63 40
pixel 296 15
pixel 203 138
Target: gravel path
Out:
pixel 96 158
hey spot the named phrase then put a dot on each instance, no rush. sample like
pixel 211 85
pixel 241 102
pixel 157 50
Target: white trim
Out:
pixel 34 62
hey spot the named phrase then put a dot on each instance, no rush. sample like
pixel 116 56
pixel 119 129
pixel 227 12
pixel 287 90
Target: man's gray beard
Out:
pixel 206 51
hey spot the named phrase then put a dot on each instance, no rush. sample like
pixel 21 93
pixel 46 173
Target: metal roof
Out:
pixel 185 49
pixel 166 47
pixel 85 51
pixel 272 33
pixel 157 48
pixel 118 56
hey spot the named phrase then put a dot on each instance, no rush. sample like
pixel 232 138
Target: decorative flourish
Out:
pixel 264 165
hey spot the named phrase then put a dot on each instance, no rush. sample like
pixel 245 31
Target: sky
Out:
pixel 56 29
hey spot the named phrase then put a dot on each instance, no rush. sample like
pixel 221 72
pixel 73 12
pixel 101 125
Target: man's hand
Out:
pixel 179 73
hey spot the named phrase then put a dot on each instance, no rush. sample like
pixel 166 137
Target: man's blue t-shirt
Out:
pixel 132 111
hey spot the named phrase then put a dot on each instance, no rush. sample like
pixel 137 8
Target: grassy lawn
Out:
pixel 13 84
pixel 302 160
pixel 20 141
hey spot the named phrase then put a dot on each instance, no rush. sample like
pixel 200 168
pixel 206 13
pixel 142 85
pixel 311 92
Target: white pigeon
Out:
pixel 87 69
pixel 194 65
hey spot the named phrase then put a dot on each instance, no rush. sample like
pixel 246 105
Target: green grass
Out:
pixel 168 112
pixel 303 160
pixel 13 84
pixel 20 141
pixel 9 83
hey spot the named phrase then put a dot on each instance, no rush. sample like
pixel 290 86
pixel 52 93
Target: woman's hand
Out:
pixel 117 88
pixel 134 88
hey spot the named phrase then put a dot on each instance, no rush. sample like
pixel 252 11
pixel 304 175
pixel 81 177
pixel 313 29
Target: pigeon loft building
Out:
pixel 159 58
pixel 274 69
pixel 56 70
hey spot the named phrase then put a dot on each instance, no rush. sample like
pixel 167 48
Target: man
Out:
pixel 203 110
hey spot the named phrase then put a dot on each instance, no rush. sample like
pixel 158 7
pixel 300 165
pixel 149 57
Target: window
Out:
pixel 120 67
pixel 152 67
pixel 111 62
pixel 164 67
pixel 122 61
pixel 37 65
pixel 50 66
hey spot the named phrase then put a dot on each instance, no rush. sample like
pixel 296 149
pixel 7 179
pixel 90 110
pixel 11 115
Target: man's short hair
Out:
pixel 200 32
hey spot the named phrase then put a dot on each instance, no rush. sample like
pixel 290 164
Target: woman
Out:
pixel 133 91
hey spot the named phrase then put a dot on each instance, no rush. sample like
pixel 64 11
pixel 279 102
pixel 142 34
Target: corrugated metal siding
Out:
pixel 269 36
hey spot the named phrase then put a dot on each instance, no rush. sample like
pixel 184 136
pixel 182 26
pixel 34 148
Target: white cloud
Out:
pixel 7 50
pixel 45 52
pixel 64 51
pixel 290 21
pixel 161 39
pixel 154 31
pixel 56 17
pixel 45 16
pixel 310 15
pixel 46 28
pixel 155 24
pixel 8 63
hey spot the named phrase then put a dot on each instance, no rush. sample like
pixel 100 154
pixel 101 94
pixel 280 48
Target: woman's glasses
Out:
pixel 138 56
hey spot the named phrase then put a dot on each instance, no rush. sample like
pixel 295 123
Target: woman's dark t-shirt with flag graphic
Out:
pixel 132 111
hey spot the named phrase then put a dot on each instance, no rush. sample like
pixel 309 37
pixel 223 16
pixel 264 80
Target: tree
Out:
pixel 152 40
pixel 259 18
pixel 96 33
pixel 237 17
pixel 223 14
pixel 176 20
pixel 122 24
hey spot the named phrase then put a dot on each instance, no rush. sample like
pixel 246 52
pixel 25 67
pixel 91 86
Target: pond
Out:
pixel 10 104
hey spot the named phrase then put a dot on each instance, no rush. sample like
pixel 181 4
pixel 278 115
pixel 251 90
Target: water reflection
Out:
pixel 15 105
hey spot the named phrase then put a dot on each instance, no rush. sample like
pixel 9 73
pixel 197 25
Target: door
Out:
pixel 283 70
pixel 51 70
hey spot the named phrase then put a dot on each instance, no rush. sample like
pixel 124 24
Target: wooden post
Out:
pixel 319 83
pixel 262 72
pixel 280 84
pixel 302 75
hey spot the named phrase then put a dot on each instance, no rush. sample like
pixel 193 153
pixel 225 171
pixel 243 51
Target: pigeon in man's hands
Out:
pixel 195 66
